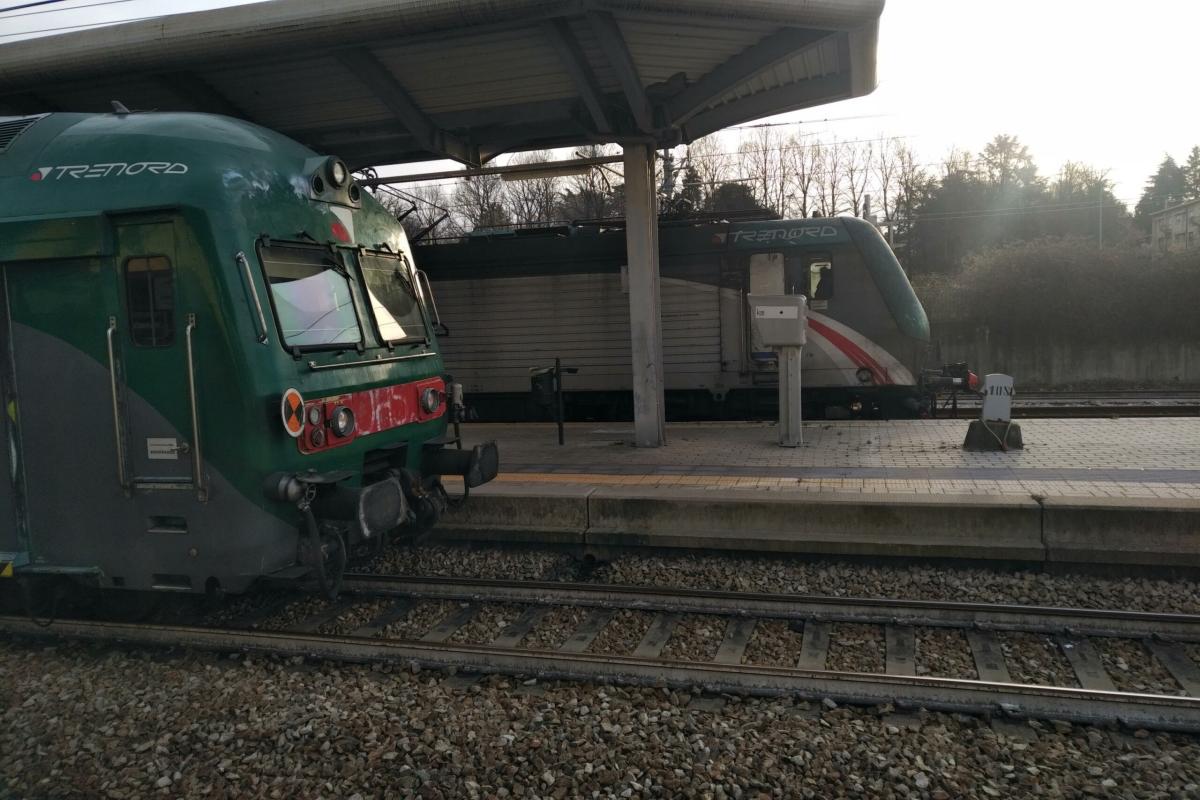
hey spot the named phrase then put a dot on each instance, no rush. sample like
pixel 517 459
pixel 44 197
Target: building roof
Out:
pixel 1178 206
pixel 388 81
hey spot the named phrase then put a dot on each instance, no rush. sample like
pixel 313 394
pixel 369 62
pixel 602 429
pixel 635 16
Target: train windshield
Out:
pixel 393 297
pixel 310 291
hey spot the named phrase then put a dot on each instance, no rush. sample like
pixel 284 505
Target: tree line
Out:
pixel 934 214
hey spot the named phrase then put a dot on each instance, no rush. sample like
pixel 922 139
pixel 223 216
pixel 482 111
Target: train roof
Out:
pixel 102 160
pixel 604 240
pixel 575 248
pixel 84 166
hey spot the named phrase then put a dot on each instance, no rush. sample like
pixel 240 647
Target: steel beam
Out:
pixel 375 76
pixel 533 169
pixel 645 322
pixel 773 101
pixel 617 50
pixel 558 32
pixel 201 94
pixel 745 65
pixel 27 103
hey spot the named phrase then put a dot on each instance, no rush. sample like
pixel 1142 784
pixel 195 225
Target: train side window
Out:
pixel 150 287
pixel 820 280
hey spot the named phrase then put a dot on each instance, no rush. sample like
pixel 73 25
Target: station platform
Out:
pixel 1114 491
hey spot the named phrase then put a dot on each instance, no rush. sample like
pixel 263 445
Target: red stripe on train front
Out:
pixel 855 353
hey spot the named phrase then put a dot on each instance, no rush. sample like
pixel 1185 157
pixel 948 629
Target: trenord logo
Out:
pixel 112 169
pixel 785 234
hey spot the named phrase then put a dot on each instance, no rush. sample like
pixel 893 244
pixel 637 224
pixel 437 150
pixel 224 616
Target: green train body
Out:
pixel 168 284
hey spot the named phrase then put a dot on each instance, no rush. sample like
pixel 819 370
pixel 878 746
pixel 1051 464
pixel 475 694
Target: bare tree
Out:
pixel 913 183
pixel 1079 180
pixel 760 156
pixel 480 201
pixel 829 179
pixel 802 168
pixel 708 157
pixel 857 164
pixel 958 162
pixel 886 169
pixel 531 200
pixel 596 193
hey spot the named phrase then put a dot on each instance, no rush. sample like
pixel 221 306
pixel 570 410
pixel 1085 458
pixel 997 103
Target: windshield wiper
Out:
pixel 410 340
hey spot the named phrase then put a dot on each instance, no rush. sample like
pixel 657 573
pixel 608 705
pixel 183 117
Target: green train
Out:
pixel 219 361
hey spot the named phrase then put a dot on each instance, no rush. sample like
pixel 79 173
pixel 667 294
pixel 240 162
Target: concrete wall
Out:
pixel 1070 365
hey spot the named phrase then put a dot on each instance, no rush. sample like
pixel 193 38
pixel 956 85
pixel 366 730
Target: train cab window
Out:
pixel 310 291
pixel 820 281
pixel 150 288
pixel 393 298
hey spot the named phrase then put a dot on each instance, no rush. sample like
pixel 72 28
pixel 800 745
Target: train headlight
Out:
pixel 336 171
pixel 342 421
pixel 431 400
pixel 864 375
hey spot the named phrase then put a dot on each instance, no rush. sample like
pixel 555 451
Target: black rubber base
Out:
pixel 993 436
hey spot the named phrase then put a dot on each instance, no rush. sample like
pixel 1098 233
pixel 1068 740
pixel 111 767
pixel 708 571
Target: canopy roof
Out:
pixel 388 81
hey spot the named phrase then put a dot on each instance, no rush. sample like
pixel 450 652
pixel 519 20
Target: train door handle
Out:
pixel 197 456
pixel 122 477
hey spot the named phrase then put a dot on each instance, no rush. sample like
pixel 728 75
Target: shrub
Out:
pixel 1069 289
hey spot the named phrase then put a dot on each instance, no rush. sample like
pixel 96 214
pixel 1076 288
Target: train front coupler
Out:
pixel 336 517
pixel 425 490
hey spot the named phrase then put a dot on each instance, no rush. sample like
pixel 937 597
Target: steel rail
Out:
pixel 943 694
pixel 882 611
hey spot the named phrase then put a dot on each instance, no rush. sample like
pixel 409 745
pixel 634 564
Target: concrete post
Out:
pixel 790 418
pixel 645 324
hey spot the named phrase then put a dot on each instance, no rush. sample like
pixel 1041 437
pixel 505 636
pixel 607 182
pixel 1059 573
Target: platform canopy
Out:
pixel 389 81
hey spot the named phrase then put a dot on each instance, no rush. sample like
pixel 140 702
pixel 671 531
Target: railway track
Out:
pixel 1128 403
pixel 1076 632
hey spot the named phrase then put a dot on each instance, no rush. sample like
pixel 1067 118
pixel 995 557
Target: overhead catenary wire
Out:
pixel 57 10
pixel 85 26
pixel 30 5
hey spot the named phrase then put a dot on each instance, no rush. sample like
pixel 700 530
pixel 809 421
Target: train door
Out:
pixel 152 332
pixel 11 544
pixel 59 404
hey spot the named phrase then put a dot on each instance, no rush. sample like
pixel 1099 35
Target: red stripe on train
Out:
pixel 855 353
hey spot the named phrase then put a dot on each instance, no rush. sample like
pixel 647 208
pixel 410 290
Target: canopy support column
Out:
pixel 645 324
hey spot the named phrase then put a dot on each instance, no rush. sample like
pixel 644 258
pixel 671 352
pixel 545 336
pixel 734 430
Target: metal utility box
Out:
pixel 779 323
pixel 779 319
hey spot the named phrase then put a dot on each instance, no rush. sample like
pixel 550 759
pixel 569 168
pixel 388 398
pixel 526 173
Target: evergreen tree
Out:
pixel 1191 173
pixel 1166 187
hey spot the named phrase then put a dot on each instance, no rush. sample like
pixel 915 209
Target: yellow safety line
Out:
pixel 6 571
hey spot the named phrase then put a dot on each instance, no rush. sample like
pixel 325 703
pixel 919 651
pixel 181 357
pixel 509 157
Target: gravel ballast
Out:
pixel 906 581
pixel 97 722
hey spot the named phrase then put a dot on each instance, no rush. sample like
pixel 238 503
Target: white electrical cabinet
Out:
pixel 780 322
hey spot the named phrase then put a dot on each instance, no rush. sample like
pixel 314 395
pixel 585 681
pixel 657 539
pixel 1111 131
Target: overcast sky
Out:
pixel 1108 82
